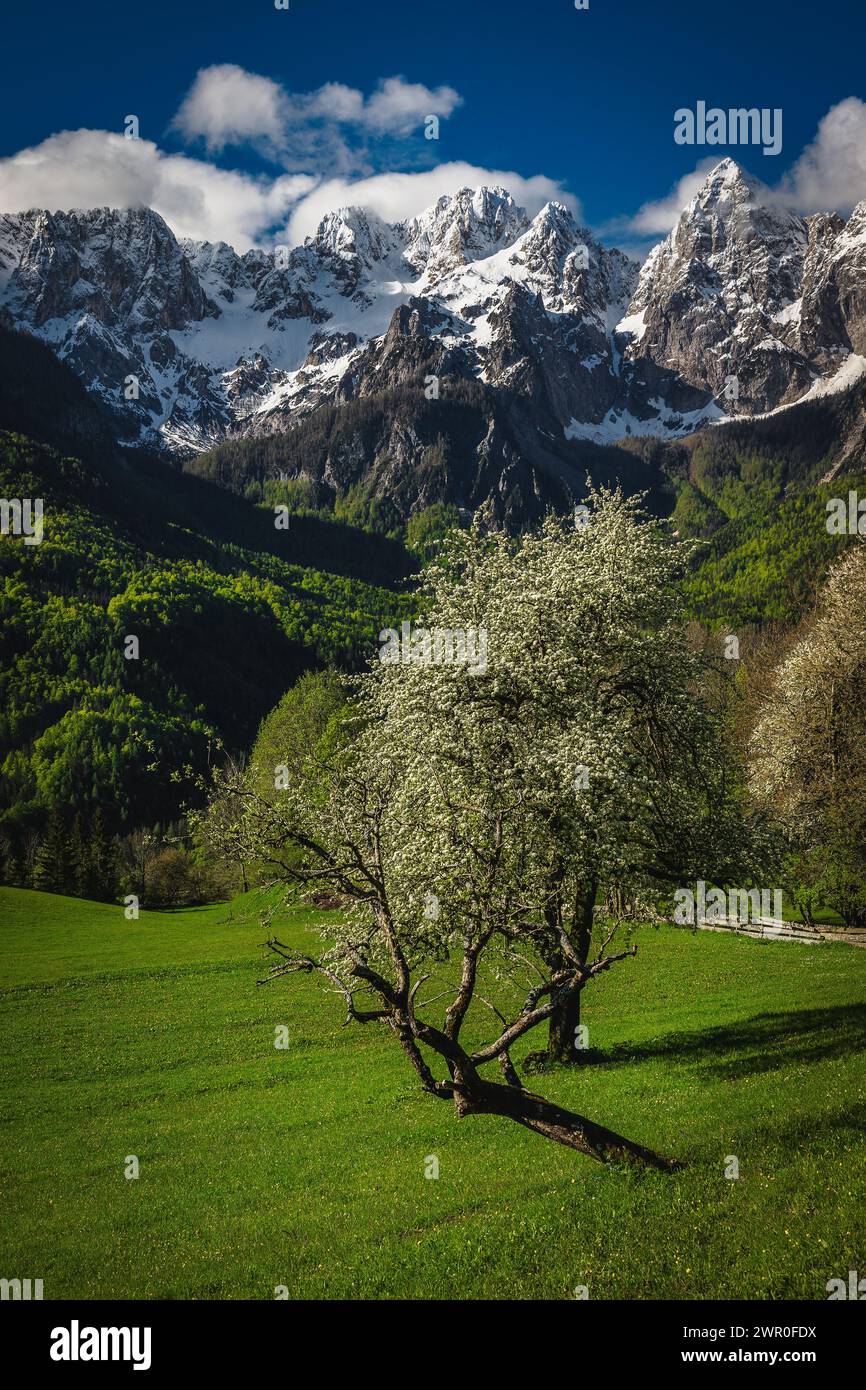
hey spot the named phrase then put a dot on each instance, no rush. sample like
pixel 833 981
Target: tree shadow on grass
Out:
pixel 759 1044
pixel 809 1131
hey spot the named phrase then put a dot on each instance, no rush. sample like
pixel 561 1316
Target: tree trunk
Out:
pixel 479 1097
pixel 565 1019
pixel 562 1033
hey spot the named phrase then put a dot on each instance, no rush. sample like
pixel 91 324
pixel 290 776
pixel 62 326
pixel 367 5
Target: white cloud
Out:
pixel 338 102
pixel 329 128
pixel 95 168
pixel 399 106
pixel 228 106
pixel 398 196
pixel 831 172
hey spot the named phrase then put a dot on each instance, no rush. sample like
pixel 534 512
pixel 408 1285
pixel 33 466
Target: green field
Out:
pixel 304 1167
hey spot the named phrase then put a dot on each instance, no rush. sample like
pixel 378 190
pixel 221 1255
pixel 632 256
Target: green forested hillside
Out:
pixel 763 562
pixel 757 497
pixel 227 610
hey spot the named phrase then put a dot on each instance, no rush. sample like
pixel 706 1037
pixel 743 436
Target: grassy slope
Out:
pixel 305 1167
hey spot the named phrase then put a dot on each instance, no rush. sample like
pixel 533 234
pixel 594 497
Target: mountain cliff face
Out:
pixel 743 309
pixel 744 288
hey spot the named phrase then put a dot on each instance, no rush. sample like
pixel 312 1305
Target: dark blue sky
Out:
pixel 586 98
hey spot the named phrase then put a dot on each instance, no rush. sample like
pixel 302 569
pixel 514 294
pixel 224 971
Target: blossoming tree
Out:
pixel 469 819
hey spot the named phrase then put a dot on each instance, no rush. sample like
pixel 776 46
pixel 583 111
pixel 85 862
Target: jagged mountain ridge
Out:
pixel 580 341
pixel 743 287
pixel 222 343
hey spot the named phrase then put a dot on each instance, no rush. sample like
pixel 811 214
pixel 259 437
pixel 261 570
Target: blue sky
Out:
pixel 585 99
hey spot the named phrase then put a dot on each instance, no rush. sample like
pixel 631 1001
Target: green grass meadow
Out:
pixel 304 1167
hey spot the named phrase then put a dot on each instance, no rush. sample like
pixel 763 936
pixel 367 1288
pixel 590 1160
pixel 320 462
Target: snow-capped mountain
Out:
pixel 189 342
pixel 220 343
pixel 743 288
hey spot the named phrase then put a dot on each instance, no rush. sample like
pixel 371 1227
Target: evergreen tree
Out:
pixel 80 859
pixel 53 870
pixel 9 871
pixel 103 861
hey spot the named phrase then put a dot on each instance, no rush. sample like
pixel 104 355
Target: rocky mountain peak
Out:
pixel 353 234
pixel 732 206
pixel 555 228
pixel 726 186
pixel 218 266
pixel 120 265
pixel 566 330
pixel 719 298
pixel 462 227
pixel 855 227
pixel 569 268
